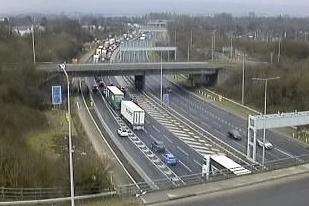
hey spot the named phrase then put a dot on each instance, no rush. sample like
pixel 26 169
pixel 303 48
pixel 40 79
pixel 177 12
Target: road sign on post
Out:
pixel 206 167
pixel 56 95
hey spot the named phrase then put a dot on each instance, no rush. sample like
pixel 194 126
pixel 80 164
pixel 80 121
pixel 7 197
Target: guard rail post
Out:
pixel 2 193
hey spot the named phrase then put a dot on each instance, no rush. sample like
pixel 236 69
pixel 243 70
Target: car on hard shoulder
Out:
pixel 123 132
pixel 158 146
pixel 268 145
pixel 170 159
pixel 234 134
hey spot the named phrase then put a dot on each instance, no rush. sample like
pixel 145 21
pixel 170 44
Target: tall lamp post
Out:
pixel 265 110
pixel 243 80
pixel 161 80
pixel 62 66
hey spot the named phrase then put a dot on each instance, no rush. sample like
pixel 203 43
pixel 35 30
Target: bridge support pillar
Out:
pixel 139 81
pixel 203 79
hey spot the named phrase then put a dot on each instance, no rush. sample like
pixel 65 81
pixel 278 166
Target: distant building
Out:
pixel 26 30
pixel 157 23
pixel 22 30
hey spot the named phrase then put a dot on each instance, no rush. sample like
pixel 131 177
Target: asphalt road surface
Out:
pixel 284 192
pixel 218 122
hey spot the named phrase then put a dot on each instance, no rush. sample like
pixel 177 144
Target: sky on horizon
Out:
pixel 136 7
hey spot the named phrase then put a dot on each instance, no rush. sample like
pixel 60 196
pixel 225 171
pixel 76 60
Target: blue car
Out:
pixel 170 159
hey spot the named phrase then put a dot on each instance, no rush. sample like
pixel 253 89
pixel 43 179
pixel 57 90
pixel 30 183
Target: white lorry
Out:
pixel 133 114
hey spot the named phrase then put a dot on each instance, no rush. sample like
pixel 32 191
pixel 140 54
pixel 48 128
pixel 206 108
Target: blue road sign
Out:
pixel 166 99
pixel 56 95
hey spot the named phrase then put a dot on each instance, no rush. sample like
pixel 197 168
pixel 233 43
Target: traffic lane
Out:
pixel 221 132
pixel 182 151
pixel 284 145
pixel 153 130
pixel 213 127
pixel 217 129
pixel 179 169
pixel 135 153
pixel 165 181
pixel 283 192
pixel 201 119
pixel 280 143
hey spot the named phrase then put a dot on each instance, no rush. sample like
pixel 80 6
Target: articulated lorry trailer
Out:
pixel 133 114
pixel 114 96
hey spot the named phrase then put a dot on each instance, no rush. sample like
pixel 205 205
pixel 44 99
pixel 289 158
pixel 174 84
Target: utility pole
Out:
pixel 191 39
pixel 213 45
pixel 279 51
pixel 175 44
pixel 161 85
pixel 265 110
pixel 243 80
pixel 188 55
pixel 231 49
pixel 175 38
pixel 33 44
pixel 212 48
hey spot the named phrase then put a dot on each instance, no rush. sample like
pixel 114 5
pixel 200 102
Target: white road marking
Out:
pixel 185 138
pixel 203 152
pixel 155 128
pixel 185 166
pixel 197 163
pixel 198 147
pixel 192 142
pixel 181 134
pixel 180 149
pixel 168 139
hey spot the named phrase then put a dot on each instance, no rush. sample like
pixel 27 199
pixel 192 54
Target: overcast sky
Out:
pixel 134 7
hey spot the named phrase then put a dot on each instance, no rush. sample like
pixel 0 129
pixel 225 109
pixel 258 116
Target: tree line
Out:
pixel 23 107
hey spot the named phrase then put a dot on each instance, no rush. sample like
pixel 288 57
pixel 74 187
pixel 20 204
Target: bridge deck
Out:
pixel 115 69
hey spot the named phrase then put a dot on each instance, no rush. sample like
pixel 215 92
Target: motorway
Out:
pixel 189 168
pixel 187 144
pixel 218 121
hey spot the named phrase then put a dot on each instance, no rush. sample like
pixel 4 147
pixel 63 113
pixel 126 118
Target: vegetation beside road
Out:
pixel 33 142
pixel 258 37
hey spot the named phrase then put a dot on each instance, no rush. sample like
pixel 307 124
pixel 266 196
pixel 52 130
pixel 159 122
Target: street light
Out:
pixel 243 80
pixel 265 110
pixel 161 83
pixel 62 66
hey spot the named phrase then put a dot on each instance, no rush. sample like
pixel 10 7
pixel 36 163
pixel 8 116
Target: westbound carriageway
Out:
pixel 118 69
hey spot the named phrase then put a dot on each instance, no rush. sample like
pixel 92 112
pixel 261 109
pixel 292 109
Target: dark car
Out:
pixel 94 89
pixel 158 146
pixel 97 79
pixel 101 85
pixel 123 89
pixel 234 134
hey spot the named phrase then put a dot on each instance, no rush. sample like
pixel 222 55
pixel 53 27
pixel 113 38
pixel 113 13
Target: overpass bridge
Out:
pixel 139 70
pixel 139 49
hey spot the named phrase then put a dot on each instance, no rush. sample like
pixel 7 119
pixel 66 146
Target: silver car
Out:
pixel 268 145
